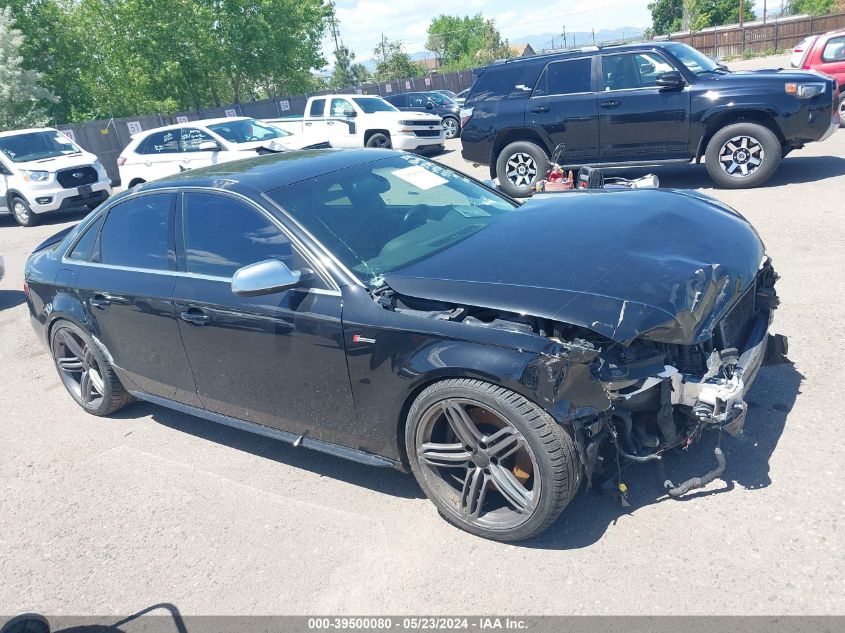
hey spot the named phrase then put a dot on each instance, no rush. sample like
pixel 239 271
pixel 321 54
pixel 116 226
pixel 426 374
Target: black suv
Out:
pixel 435 103
pixel 642 104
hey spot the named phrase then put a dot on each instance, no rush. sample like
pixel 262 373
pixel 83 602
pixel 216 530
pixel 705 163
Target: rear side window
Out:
pixel 162 142
pixel 317 108
pixel 566 77
pixel 222 235
pixel 85 246
pixel 834 50
pixel 501 81
pixel 135 233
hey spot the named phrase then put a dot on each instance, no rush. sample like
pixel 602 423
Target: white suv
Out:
pixel 42 170
pixel 168 150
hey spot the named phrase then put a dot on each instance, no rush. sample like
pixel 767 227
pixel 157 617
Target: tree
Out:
pixel 346 71
pixel 666 16
pixel 701 14
pixel 392 62
pixel 812 7
pixel 21 93
pixel 461 42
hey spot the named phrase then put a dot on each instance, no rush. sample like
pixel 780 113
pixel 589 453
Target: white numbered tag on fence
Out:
pixel 407 85
pixel 181 119
pixel 134 127
pixel 387 88
pixel 231 112
pixel 285 105
pixel 69 134
pixel 428 81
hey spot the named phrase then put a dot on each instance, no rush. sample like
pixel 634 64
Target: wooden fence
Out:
pixel 723 42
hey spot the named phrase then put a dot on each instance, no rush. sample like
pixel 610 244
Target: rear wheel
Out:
pixel 743 155
pixel 22 212
pixel 379 140
pixel 494 464
pixel 842 111
pixel 137 181
pixel 85 371
pixel 519 166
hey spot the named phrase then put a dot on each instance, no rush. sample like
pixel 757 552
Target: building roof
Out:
pixel 521 50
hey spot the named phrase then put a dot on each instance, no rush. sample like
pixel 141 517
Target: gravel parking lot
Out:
pixel 110 516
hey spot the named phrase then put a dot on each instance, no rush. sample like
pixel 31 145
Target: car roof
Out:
pixel 271 171
pixel 203 122
pixel 616 48
pixel 27 131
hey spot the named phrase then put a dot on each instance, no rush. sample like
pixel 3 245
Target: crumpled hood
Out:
pixel 654 263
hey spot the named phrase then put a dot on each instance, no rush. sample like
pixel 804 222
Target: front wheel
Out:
pixel 742 155
pixel 379 140
pixel 519 166
pixel 493 463
pixel 842 111
pixel 22 212
pixel 451 127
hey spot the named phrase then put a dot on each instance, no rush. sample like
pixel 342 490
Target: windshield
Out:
pixel 387 214
pixel 697 62
pixel 246 131
pixel 440 99
pixel 21 148
pixel 373 104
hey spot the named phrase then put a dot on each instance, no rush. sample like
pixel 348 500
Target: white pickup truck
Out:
pixel 365 121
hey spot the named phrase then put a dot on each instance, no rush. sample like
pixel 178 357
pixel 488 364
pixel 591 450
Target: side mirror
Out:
pixel 429 105
pixel 264 278
pixel 5 171
pixel 209 146
pixel 722 65
pixel 672 79
pixel 349 112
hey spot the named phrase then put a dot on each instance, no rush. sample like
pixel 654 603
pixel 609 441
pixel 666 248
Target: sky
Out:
pixel 363 21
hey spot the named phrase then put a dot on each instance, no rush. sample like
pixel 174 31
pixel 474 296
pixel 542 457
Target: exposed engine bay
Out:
pixel 661 395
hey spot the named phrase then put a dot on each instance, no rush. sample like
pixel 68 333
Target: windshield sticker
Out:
pixel 420 177
pixel 470 212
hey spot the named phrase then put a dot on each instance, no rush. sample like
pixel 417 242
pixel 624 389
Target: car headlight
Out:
pixel 35 175
pixel 99 166
pixel 804 90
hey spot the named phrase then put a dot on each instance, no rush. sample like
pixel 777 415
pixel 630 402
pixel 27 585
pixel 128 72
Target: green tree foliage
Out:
pixel 812 7
pixel 667 16
pixel 122 57
pixel 463 42
pixel 21 94
pixel 346 71
pixel 392 62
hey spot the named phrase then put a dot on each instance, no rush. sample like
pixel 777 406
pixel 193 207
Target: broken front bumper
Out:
pixel 717 399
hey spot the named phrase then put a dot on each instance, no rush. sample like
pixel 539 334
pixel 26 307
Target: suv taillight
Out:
pixel 121 161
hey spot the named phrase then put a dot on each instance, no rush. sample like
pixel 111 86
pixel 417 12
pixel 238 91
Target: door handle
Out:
pixel 195 317
pixel 307 123
pixel 609 104
pixel 540 109
pixel 330 123
pixel 100 301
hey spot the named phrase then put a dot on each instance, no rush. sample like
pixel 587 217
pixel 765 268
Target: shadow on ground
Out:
pixel 587 518
pixel 11 299
pixel 152 620
pixel 46 219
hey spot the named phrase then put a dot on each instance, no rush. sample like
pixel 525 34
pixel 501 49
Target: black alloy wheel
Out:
pixel 493 463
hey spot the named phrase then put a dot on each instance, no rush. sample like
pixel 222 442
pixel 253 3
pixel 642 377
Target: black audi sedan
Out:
pixel 386 309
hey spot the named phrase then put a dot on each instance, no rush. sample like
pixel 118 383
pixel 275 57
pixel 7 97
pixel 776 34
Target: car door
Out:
pixel 278 359
pixel 833 59
pixel 563 104
pixel 195 148
pixel 314 121
pixel 340 125
pixel 126 285
pixel 158 155
pixel 639 120
pixel 5 174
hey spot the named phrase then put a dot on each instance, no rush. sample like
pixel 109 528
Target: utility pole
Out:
pixel 564 36
pixel 594 36
pixel 741 12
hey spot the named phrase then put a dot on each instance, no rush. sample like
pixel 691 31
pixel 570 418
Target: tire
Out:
pixel 842 110
pixel 379 140
pixel 136 182
pixel 519 166
pixel 734 150
pixel 22 212
pixel 76 355
pixel 451 127
pixel 516 448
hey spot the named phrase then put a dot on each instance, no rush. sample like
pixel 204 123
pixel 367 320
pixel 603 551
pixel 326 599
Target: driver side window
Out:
pixel 222 234
pixel 339 106
pixel 630 71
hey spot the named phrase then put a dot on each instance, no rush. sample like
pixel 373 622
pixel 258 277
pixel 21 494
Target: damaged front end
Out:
pixel 631 401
